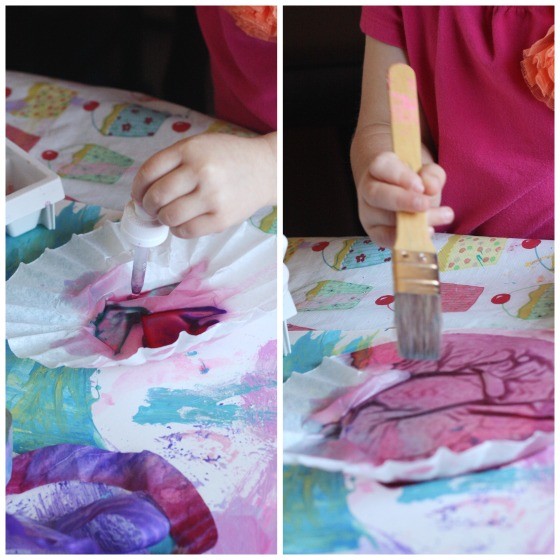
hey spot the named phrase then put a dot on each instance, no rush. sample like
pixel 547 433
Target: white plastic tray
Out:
pixel 32 189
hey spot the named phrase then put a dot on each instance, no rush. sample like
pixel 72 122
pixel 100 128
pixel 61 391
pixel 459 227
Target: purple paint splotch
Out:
pixel 483 388
pixel 166 495
pixel 26 536
pixel 118 524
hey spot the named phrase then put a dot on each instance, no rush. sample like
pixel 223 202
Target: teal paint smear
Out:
pixel 193 407
pixel 31 245
pixel 480 482
pixel 49 406
pixel 316 515
pixel 165 546
pixel 309 350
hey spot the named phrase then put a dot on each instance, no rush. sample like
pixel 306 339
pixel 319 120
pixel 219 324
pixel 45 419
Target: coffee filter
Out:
pixel 51 302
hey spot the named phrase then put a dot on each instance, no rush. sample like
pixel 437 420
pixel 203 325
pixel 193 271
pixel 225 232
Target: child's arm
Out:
pixel 206 183
pixel 384 184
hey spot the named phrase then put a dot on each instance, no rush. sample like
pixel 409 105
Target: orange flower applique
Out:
pixel 256 21
pixel 538 68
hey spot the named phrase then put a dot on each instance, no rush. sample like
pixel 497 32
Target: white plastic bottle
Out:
pixel 142 231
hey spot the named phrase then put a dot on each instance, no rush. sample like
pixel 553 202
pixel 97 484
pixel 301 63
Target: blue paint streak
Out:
pixel 194 407
pixel 480 482
pixel 49 406
pixel 316 515
pixel 309 350
pixel 31 245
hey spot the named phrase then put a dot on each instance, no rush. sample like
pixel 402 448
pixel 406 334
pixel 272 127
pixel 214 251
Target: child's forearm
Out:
pixel 270 140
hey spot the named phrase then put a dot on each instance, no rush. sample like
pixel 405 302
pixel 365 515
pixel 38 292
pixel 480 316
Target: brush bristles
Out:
pixel 418 322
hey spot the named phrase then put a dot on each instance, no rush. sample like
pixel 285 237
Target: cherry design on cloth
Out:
pixel 160 498
pixel 484 387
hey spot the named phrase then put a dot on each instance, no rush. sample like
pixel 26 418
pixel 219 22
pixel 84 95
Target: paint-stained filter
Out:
pixel 487 401
pixel 73 305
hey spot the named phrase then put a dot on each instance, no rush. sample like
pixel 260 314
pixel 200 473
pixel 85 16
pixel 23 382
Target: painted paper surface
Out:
pixel 212 415
pixel 357 416
pixel 498 511
pixel 208 410
pixel 487 401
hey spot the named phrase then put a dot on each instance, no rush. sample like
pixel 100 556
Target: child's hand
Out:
pixel 206 183
pixel 389 185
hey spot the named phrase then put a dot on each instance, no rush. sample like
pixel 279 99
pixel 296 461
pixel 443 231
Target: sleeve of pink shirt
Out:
pixel 243 71
pixel 384 23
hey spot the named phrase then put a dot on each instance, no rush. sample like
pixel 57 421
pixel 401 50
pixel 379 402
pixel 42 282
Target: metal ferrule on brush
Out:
pixel 417 304
pixel 415 272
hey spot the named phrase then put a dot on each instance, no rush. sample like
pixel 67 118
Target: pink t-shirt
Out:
pixel 492 137
pixel 243 71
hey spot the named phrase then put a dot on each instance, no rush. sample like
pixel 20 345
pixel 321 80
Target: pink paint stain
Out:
pixel 483 388
pixel 405 108
pixel 176 371
pixel 262 399
pixel 256 511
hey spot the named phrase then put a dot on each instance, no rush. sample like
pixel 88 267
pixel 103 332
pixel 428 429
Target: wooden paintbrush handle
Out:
pixel 412 228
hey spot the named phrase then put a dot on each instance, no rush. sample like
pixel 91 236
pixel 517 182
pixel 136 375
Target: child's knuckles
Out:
pixel 369 192
pixel 382 163
pixel 435 176
pixel 184 231
pixel 154 199
pixel 170 216
pixel 197 228
pixel 216 200
pixel 149 171
pixel 408 202
pixel 211 173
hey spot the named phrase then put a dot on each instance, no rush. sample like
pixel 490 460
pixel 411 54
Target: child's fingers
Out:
pixel 204 224
pixel 183 209
pixel 179 182
pixel 393 198
pixel 388 168
pixel 441 216
pixel 153 168
pixel 384 236
pixel 433 177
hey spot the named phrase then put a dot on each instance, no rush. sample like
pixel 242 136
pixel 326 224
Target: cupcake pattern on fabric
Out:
pixel 330 295
pixel 359 253
pixel 96 164
pixel 468 251
pixel 44 101
pixel 132 121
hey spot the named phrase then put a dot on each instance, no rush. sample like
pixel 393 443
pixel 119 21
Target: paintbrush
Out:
pixel 415 268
